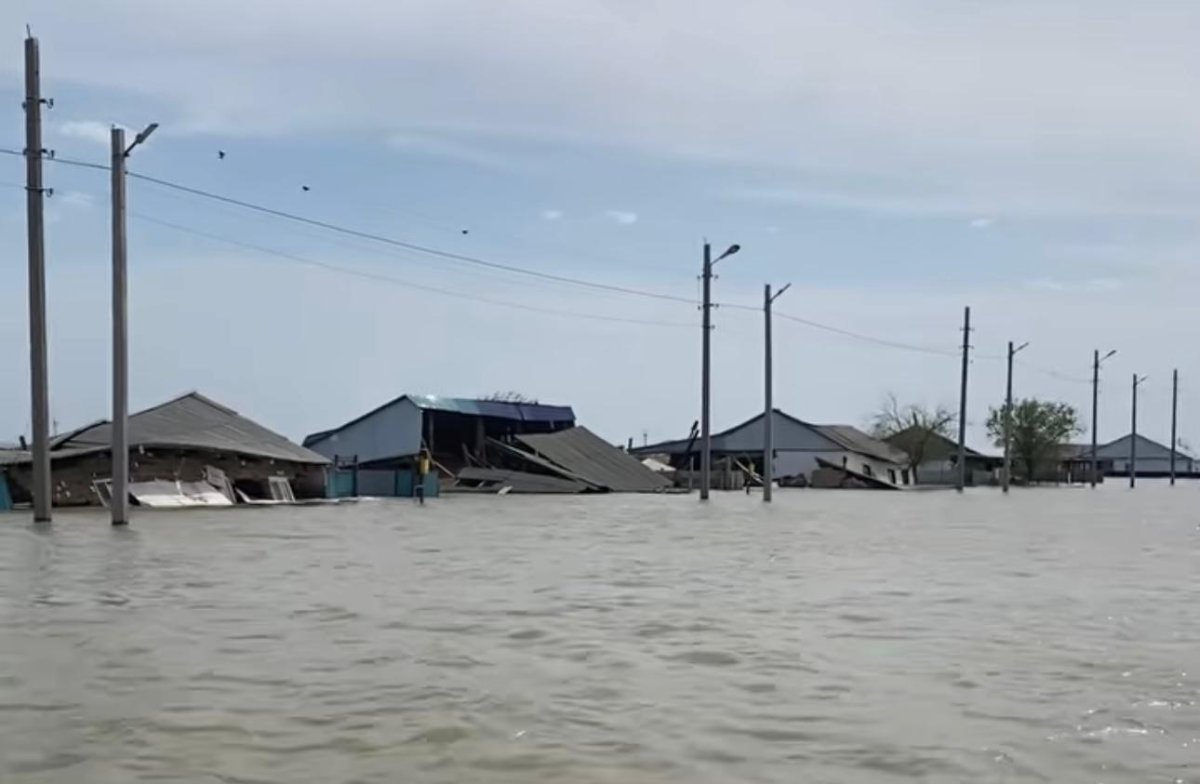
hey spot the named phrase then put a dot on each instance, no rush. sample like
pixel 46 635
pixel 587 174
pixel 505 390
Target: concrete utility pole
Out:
pixel 120 332
pixel 1174 420
pixel 1097 360
pixel 35 197
pixel 1133 433
pixel 706 368
pixel 962 401
pixel 769 406
pixel 1008 407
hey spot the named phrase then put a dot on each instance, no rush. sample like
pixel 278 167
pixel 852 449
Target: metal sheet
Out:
pixel 163 494
pixel 584 454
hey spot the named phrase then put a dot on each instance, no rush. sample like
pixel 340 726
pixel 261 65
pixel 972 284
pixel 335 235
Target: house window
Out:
pixel 867 470
pixel 892 475
pixel 904 476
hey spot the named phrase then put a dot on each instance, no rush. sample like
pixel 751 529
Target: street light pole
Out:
pixel 768 475
pixel 1133 432
pixel 706 367
pixel 119 502
pixel 1096 361
pixel 1008 407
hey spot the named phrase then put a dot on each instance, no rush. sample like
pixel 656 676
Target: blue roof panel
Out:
pixel 520 412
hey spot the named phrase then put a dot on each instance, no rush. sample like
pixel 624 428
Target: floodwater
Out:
pixel 834 636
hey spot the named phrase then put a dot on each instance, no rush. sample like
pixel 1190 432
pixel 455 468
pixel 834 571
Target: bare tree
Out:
pixel 917 431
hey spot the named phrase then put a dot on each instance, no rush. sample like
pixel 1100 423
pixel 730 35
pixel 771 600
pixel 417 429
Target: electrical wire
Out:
pixel 847 333
pixel 402 282
pixel 425 249
pixel 884 342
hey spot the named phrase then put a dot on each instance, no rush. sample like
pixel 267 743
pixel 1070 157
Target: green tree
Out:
pixel 917 431
pixel 1039 430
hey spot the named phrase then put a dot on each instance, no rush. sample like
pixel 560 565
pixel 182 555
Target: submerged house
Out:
pixel 801 448
pixel 939 459
pixel 378 453
pixel 484 446
pixel 189 446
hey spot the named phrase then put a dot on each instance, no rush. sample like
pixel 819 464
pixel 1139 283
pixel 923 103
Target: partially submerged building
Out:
pixel 188 451
pixel 1112 459
pixel 939 459
pixel 474 446
pixel 801 449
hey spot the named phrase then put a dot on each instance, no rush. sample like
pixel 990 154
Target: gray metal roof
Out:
pixel 192 421
pixel 584 454
pixel 855 440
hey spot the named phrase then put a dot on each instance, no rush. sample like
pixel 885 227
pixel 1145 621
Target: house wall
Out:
pixel 1154 465
pixel 394 431
pixel 71 480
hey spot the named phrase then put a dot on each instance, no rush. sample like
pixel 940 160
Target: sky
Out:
pixel 893 160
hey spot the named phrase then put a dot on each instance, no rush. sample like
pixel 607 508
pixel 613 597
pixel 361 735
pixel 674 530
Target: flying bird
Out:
pixel 305 188
pixel 466 231
pixel 220 155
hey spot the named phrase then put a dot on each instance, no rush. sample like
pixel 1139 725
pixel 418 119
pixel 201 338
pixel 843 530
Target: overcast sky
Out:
pixel 895 160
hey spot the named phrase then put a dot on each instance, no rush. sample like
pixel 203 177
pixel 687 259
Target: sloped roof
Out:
pixel 855 440
pixel 845 437
pixel 496 409
pixel 192 421
pixel 589 457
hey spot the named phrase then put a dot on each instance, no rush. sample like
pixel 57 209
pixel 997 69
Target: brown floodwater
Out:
pixel 836 636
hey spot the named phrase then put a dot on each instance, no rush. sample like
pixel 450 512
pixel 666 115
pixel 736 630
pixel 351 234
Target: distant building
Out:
pixel 378 453
pixel 799 445
pixel 1112 459
pixel 189 439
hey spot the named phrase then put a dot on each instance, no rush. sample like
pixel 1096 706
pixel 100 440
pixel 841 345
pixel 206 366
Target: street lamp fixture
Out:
pixel 731 251
pixel 141 137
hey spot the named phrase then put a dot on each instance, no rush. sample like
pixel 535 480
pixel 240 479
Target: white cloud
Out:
pixel 982 223
pixel 622 217
pixel 87 130
pixel 1074 98
pixel 552 215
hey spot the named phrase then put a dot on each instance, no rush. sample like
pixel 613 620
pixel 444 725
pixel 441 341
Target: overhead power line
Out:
pixel 477 261
pixel 412 246
pixel 380 277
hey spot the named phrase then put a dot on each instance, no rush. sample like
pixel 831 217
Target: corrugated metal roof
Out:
pixel 586 455
pixel 518 412
pixel 855 440
pixel 194 422
pixel 500 409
